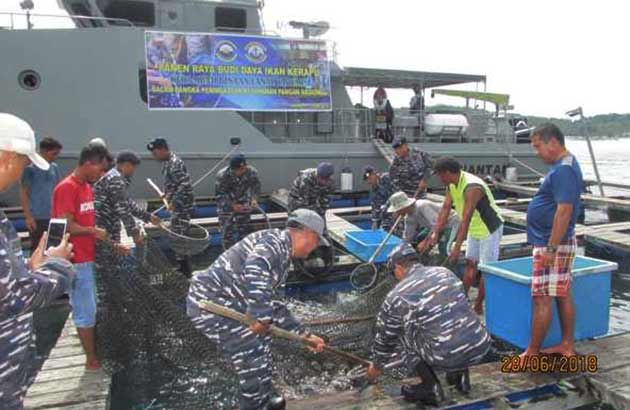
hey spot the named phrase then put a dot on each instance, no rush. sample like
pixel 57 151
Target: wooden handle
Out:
pixel 159 192
pixel 276 331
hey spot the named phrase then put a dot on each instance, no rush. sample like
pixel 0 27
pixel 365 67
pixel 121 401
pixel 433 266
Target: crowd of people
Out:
pixel 426 319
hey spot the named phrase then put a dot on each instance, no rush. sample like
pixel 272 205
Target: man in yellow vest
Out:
pixel 481 222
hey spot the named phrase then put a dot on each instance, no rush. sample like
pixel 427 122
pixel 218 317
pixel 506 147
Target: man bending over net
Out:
pixel 428 317
pixel 250 278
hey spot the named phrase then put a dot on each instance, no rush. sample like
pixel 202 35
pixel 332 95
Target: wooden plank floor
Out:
pixel 63 383
pixel 499 390
pixel 587 199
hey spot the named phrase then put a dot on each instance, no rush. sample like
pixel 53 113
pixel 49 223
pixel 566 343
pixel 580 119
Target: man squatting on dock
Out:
pixel 25 285
pixel 381 188
pixel 551 218
pixel 178 192
pixel 250 278
pixel 428 318
pixel 421 215
pixel 237 190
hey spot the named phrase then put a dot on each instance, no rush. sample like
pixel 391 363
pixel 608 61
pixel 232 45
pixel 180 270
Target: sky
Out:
pixel 550 56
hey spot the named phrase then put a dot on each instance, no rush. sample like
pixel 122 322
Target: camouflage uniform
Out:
pixel 112 205
pixel 307 193
pixel 428 318
pixel 231 190
pixel 406 173
pixel 179 192
pixel 250 278
pixel 379 196
pixel 21 292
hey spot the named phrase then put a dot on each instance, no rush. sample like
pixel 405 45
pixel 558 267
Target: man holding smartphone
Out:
pixel 73 200
pixel 24 285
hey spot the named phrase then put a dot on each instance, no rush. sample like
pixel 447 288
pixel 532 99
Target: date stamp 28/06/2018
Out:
pixel 549 364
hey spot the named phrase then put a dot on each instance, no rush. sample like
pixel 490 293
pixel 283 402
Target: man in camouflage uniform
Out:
pixel 24 285
pixel 421 215
pixel 381 188
pixel 312 189
pixel 237 191
pixel 250 278
pixel 411 168
pixel 112 203
pixel 178 191
pixel 427 317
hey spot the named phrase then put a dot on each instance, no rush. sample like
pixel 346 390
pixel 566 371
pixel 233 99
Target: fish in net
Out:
pixel 157 358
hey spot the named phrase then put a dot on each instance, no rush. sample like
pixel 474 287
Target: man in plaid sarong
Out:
pixel 551 218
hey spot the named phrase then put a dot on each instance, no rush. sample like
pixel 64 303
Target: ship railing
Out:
pixel 337 126
pixel 73 17
pixel 355 125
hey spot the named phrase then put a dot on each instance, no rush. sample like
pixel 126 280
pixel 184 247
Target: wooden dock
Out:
pixel 63 383
pixel 492 389
pixel 587 199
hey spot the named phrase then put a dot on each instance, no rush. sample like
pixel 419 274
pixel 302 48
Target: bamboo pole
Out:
pixel 278 332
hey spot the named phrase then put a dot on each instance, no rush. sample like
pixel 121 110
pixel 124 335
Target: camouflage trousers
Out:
pixel 180 222
pixel 250 355
pixel 234 227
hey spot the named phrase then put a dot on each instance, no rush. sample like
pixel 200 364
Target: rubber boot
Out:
pixel 428 392
pixel 460 379
pixel 276 402
pixel 185 266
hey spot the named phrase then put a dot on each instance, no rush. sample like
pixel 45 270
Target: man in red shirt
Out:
pixel 73 200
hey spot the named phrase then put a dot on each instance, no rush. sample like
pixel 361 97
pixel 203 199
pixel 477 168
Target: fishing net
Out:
pixel 160 361
pixel 195 240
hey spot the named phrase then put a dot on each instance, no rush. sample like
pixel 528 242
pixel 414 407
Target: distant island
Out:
pixel 604 126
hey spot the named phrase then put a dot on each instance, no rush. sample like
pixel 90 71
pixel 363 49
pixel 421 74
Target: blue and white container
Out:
pixel 509 302
pixel 362 244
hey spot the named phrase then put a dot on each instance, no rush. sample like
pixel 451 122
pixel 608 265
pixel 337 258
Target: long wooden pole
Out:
pixel 278 332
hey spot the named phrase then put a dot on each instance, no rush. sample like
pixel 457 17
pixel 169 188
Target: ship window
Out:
pixel 29 80
pixel 139 13
pixel 230 19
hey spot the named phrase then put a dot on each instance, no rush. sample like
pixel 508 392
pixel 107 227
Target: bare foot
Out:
pixel 564 349
pixel 525 359
pixel 92 365
pixel 478 307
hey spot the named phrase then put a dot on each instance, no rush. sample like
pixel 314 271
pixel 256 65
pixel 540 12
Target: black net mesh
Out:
pixel 159 360
pixel 193 241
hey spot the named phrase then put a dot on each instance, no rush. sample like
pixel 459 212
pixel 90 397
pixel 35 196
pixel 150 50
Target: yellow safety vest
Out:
pixel 477 228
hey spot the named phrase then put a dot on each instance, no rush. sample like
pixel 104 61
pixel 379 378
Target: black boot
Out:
pixel 185 266
pixel 428 392
pixel 276 402
pixel 460 379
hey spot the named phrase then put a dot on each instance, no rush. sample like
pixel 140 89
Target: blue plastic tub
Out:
pixel 362 244
pixel 509 300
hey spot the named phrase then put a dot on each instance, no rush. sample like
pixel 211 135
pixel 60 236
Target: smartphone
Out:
pixel 56 231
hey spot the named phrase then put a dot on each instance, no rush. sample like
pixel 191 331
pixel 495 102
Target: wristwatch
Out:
pixel 551 249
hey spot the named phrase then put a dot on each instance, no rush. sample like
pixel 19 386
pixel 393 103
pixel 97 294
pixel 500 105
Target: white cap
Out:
pixel 16 135
pixel 98 141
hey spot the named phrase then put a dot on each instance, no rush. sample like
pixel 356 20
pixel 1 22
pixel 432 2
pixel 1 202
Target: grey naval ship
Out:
pixel 90 81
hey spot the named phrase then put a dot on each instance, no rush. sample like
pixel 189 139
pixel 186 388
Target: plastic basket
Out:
pixel 362 244
pixel 509 301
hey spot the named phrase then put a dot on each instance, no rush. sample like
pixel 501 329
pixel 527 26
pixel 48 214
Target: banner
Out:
pixel 192 71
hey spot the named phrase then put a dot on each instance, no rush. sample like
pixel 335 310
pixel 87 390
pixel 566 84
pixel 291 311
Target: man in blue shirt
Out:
pixel 551 218
pixel 37 188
